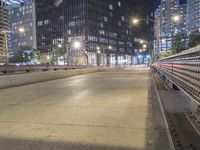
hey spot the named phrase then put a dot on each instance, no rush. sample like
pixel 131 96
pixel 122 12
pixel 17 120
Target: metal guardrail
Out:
pixel 30 68
pixel 184 71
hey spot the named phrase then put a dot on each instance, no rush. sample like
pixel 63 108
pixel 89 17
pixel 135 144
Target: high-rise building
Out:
pixel 157 28
pixel 193 15
pixel 3 31
pixel 101 27
pixel 22 16
pixel 182 25
pixel 166 27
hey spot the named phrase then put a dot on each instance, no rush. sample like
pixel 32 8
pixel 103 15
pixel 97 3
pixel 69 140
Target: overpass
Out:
pixel 112 109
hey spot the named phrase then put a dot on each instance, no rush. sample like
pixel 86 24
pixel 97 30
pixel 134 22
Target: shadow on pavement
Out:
pixel 23 144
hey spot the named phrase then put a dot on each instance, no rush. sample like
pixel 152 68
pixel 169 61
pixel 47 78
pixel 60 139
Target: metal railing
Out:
pixel 183 70
pixel 31 68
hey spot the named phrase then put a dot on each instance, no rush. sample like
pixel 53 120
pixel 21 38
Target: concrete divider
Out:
pixel 29 78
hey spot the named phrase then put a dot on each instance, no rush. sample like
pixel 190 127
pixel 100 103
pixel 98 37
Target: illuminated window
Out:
pixel 111 7
pixel 119 4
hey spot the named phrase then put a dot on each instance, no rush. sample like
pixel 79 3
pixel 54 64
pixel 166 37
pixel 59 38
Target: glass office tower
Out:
pixel 22 16
pixel 193 16
pixel 93 32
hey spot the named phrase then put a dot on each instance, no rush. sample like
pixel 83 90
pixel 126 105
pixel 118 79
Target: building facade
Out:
pixel 101 27
pixel 193 15
pixel 165 27
pixel 22 16
pixel 3 31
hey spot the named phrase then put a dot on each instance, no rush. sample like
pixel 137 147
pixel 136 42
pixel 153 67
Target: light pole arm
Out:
pixel 151 20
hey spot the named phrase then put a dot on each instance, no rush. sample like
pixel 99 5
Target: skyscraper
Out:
pixel 3 31
pixel 101 27
pixel 193 15
pixel 166 27
pixel 182 26
pixel 22 16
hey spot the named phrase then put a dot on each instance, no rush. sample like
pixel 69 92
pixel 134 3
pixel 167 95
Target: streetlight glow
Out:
pixel 48 57
pixel 176 18
pixel 110 47
pixel 135 21
pixel 144 46
pixel 21 30
pixel 139 56
pixel 141 41
pixel 98 48
pixel 59 45
pixel 77 45
pixel 98 51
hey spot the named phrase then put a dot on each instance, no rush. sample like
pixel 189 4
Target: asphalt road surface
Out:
pixel 101 111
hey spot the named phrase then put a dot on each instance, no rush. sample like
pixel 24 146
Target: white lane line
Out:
pixel 164 116
pixel 192 124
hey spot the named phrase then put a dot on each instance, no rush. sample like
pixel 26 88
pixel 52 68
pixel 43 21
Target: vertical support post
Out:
pixel 6 48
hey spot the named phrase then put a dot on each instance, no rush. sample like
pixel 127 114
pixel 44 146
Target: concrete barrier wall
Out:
pixel 23 79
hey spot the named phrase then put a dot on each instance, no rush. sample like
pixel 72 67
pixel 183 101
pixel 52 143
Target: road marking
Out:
pixel 164 116
pixel 192 124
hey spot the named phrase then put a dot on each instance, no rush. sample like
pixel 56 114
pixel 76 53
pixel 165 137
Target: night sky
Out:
pixel 157 2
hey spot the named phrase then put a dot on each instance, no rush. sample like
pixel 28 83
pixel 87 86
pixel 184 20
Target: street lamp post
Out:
pixel 98 55
pixel 104 54
pixel 175 18
pixel 86 55
pixel 77 45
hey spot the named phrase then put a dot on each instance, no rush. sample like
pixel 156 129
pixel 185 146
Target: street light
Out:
pixel 48 57
pixel 141 41
pixel 98 57
pixel 21 30
pixel 176 18
pixel 59 45
pixel 86 55
pixel 77 45
pixel 135 21
pixel 144 46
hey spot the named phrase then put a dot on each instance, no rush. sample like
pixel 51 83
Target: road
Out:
pixel 101 111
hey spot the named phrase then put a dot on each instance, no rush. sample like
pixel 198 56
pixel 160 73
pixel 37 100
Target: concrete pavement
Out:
pixel 101 111
pixel 176 105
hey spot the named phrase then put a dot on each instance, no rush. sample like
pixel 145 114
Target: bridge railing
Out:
pixel 31 68
pixel 184 70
